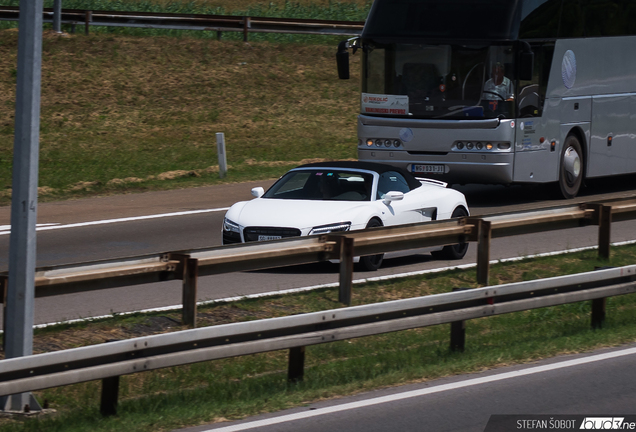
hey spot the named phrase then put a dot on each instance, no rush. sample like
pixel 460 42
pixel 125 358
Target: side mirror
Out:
pixel 342 60
pixel 392 196
pixel 258 192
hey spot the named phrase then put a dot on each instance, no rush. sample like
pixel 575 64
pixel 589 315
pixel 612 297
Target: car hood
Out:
pixel 295 213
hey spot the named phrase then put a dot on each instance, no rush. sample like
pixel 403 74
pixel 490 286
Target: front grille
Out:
pixel 252 233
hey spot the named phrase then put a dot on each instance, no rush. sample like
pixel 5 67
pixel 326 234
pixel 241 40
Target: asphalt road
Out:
pixel 149 223
pixel 565 387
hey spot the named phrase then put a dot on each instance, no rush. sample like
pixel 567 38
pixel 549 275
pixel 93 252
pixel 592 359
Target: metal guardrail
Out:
pixel 217 23
pixel 110 360
pixel 189 265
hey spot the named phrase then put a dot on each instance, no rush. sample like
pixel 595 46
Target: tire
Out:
pixel 371 262
pixel 571 168
pixel 456 251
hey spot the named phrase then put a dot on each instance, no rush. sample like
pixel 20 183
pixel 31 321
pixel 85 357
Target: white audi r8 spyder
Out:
pixel 326 197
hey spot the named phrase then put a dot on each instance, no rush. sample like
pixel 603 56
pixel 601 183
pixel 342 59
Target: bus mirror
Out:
pixel 342 60
pixel 526 66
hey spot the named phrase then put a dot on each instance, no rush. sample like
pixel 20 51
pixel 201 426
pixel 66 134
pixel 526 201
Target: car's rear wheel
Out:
pixel 456 251
pixel 372 262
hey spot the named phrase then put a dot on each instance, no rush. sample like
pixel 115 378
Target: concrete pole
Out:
pixel 21 290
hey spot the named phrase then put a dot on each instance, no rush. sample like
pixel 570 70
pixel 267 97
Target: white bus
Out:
pixel 499 91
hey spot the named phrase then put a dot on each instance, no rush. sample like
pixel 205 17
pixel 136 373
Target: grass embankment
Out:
pixel 234 388
pixel 123 113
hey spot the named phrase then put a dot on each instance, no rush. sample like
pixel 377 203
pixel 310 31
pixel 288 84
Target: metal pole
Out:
pixel 21 291
pixel 220 149
pixel 483 252
pixel 57 16
pixel 296 365
pixel 346 270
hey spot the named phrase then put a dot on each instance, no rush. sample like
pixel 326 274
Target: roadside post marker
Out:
pixel 220 149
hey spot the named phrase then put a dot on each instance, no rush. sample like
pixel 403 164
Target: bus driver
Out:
pixel 498 87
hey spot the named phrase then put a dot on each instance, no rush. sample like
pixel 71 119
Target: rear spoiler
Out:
pixel 432 181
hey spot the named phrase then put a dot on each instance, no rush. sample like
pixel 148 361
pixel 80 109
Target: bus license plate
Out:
pixel 428 169
pixel 268 237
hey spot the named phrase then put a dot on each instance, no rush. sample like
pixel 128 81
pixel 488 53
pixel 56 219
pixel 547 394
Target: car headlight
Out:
pixel 337 227
pixel 230 226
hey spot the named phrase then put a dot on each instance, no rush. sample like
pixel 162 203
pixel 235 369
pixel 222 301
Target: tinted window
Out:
pixel 595 18
pixel 540 19
pixel 391 181
pixel 322 184
pixel 453 19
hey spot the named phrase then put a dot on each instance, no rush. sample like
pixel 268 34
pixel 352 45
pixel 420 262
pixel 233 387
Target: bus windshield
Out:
pixel 434 81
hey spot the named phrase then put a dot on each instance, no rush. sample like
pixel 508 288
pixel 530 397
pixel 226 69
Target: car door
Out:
pixel 399 212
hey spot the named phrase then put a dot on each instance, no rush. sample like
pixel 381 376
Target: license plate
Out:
pixel 439 169
pixel 268 237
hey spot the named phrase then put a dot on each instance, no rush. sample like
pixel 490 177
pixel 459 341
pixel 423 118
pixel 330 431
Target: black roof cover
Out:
pixel 368 166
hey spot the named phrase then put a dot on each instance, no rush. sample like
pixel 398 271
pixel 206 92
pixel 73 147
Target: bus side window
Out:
pixel 532 93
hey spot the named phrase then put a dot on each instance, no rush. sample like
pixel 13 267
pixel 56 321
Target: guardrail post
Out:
pixel 110 393
pixel 4 289
pixel 346 270
pixel 604 231
pixel 218 35
pixel 188 272
pixel 483 238
pixel 598 312
pixel 87 21
pixel 296 369
pixel 458 332
pixel 246 25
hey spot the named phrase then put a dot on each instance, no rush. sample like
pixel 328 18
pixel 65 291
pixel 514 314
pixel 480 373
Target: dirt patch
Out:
pixel 84 185
pixel 171 175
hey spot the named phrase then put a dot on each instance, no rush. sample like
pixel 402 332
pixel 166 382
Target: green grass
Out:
pixel 119 112
pixel 239 387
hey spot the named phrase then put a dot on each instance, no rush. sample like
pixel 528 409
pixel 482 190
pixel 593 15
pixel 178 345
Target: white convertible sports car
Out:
pixel 328 197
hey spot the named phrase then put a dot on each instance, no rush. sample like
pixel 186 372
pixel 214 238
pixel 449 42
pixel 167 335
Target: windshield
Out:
pixel 323 184
pixel 438 81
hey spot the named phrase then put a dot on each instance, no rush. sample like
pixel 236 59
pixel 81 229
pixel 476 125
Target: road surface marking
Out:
pixel 6 229
pixel 423 392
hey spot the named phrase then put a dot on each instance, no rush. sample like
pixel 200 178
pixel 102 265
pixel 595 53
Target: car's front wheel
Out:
pixel 456 251
pixel 372 262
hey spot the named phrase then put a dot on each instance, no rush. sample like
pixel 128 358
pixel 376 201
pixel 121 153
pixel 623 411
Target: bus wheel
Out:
pixel 571 169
